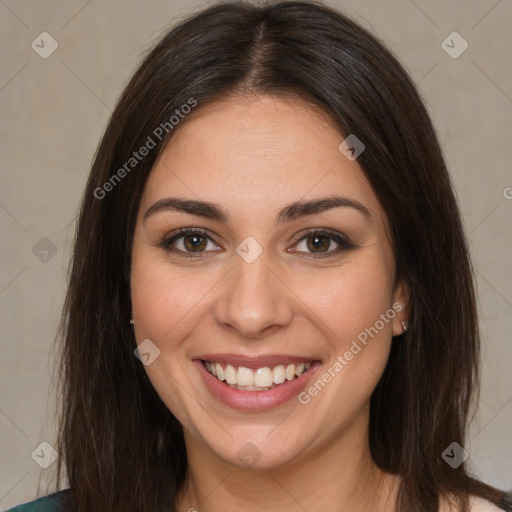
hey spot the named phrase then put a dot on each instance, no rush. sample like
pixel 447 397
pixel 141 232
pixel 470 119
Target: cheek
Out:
pixel 350 301
pixel 354 308
pixel 165 299
pixel 167 303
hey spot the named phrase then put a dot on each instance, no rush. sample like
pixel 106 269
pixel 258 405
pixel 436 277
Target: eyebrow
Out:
pixel 293 211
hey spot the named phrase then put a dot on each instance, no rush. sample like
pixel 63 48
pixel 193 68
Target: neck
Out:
pixel 338 477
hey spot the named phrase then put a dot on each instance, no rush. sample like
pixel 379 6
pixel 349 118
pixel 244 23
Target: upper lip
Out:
pixel 255 361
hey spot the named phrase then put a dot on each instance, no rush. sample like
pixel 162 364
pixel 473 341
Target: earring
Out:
pixel 132 321
pixel 405 326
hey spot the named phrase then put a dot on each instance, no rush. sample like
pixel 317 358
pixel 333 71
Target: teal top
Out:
pixel 51 503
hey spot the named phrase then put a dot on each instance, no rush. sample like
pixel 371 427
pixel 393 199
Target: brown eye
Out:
pixel 194 243
pixel 318 243
pixel 188 241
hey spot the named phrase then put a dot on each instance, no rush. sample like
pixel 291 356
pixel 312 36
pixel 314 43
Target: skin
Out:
pixel 253 155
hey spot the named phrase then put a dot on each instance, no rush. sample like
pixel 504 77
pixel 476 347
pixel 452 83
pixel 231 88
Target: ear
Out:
pixel 401 304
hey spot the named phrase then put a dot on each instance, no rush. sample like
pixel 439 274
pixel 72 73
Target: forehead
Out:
pixel 256 154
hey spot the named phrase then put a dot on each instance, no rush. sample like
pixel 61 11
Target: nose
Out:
pixel 254 300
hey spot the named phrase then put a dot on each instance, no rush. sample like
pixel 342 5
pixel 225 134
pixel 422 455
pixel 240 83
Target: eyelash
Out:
pixel 341 240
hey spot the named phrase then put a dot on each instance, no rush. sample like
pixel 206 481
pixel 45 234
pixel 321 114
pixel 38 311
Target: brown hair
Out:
pixel 122 449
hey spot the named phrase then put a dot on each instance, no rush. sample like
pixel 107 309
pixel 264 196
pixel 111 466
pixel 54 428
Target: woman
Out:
pixel 271 303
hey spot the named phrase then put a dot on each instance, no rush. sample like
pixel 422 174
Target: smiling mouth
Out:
pixel 260 379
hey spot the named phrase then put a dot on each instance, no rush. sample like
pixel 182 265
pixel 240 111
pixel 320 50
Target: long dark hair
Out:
pixel 121 448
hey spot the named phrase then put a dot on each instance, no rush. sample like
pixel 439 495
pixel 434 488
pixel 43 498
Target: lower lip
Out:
pixel 255 400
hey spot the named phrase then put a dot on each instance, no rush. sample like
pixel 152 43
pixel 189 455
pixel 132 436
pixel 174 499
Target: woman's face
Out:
pixel 250 287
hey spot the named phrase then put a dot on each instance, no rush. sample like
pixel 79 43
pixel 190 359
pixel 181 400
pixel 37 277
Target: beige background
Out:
pixel 54 111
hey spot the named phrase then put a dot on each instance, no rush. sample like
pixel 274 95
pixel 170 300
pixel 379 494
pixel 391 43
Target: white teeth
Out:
pixel 262 379
pixel 245 376
pixel 230 374
pixel 220 371
pixel 278 374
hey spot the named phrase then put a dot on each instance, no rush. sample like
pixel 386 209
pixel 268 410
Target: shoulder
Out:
pixel 481 505
pixel 52 503
pixel 475 505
